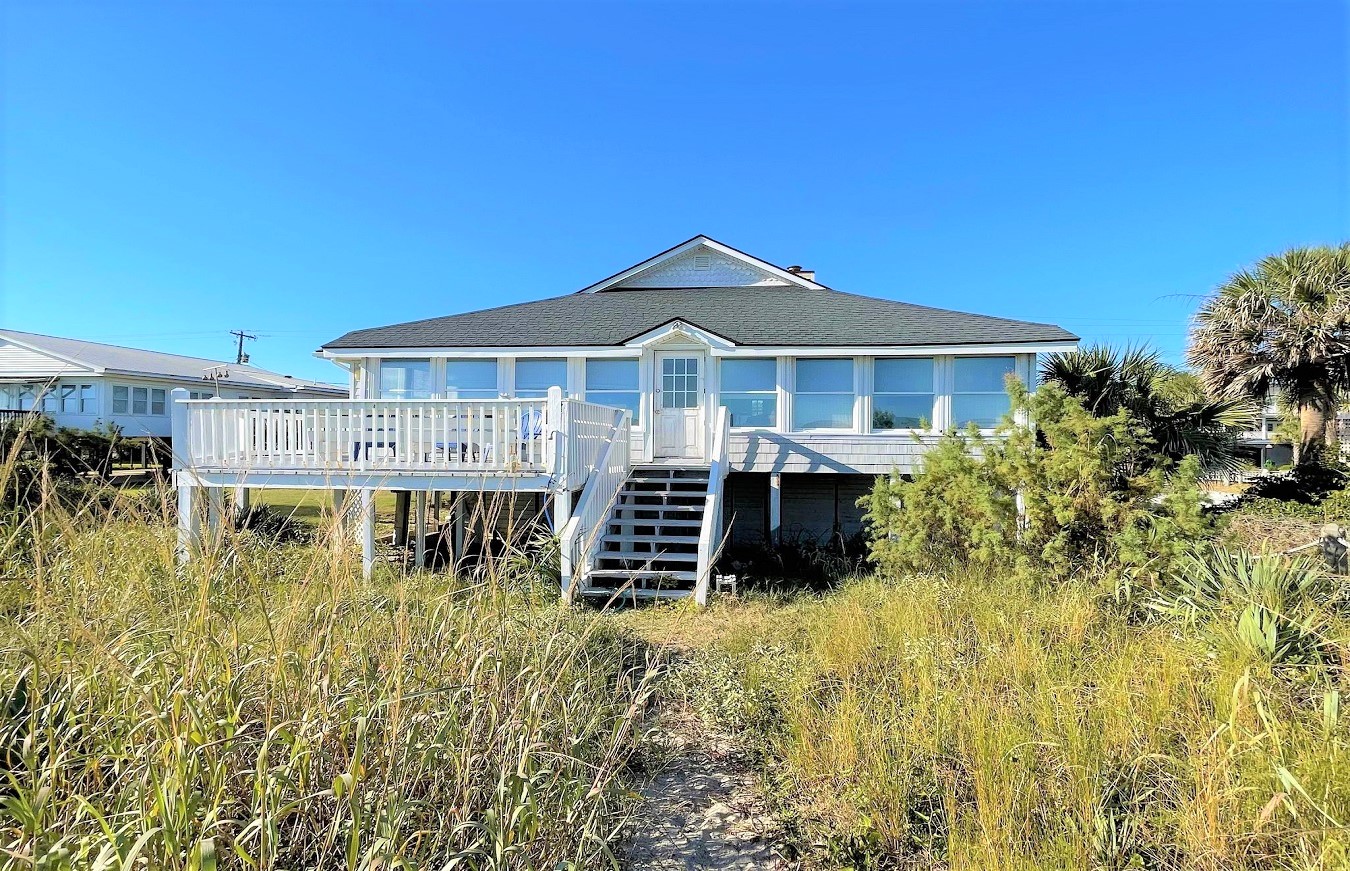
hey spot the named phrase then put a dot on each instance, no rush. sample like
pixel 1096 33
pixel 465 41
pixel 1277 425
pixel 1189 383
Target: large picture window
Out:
pixel 613 383
pixel 405 379
pixel 823 394
pixel 902 393
pixel 749 390
pixel 471 379
pixel 979 395
pixel 535 376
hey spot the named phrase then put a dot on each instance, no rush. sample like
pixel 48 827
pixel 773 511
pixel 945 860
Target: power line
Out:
pixel 241 357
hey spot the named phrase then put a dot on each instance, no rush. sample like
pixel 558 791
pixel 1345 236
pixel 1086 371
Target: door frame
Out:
pixel 700 353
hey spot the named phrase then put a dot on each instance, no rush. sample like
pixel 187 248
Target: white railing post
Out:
pixel 189 523
pixel 555 433
pixel 710 533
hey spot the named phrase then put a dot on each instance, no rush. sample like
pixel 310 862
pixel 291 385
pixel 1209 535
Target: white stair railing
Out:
pixel 580 539
pixel 710 532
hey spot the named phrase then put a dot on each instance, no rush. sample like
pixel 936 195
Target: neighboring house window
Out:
pixel 157 401
pixel 121 400
pixel 51 398
pixel 749 390
pixel 405 379
pixel 535 377
pixel 613 383
pixel 140 400
pixel 471 379
pixel 87 399
pixel 979 395
pixel 201 394
pixel 902 393
pixel 145 400
pixel 70 399
pixel 823 394
pixel 27 397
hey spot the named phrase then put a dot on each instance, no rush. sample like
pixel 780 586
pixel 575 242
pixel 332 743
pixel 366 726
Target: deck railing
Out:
pixel 710 533
pixel 494 436
pixel 580 538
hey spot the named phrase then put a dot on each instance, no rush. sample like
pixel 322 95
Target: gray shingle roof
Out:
pixel 136 361
pixel 774 316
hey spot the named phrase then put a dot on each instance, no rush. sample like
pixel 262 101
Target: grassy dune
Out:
pixel 979 723
pixel 264 707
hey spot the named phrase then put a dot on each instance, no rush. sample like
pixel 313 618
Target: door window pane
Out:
pixel 535 377
pixel 405 379
pixel 471 379
pixel 679 382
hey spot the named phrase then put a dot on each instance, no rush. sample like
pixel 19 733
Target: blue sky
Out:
pixel 172 171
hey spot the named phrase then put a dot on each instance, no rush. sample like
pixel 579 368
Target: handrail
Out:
pixel 580 538
pixel 710 532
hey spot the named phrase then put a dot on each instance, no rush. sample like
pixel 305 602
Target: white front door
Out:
pixel 679 405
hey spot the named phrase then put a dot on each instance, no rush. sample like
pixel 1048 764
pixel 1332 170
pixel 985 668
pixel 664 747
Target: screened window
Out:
pixel 87 405
pixel 51 398
pixel 405 379
pixel 823 395
pixel 27 396
pixel 750 391
pixel 70 398
pixel 979 395
pixel 613 383
pixel 121 399
pixel 471 379
pixel 902 393
pixel 535 377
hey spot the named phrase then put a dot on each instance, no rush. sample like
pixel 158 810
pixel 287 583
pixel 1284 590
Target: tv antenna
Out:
pixel 240 356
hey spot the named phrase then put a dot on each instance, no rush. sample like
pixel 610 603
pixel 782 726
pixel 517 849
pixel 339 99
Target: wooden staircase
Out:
pixel 649 546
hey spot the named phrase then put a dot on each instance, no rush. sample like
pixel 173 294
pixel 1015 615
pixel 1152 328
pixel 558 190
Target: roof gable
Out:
pixel 701 262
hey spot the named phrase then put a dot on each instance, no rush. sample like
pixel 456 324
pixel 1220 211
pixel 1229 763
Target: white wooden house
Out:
pixel 84 385
pixel 700 395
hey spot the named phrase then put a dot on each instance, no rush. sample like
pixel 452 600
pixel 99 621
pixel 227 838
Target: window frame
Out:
pixel 933 394
pixel 954 422
pixel 852 393
pixel 771 391
pixel 597 394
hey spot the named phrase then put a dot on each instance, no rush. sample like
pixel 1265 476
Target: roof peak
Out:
pixel 701 262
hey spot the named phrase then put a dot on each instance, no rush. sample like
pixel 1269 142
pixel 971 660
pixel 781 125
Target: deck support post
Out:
pixel 242 500
pixel 189 522
pixel 457 530
pixel 776 508
pixel 341 516
pixel 562 510
pixel 367 533
pixel 420 530
pixel 402 500
pixel 215 511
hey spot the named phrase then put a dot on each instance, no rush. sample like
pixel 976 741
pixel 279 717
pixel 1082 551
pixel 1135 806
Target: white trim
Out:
pixel 681 329
pixel 720 349
pixel 8 337
pixel 712 245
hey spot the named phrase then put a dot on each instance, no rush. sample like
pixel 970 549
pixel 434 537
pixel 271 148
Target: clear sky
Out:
pixel 172 171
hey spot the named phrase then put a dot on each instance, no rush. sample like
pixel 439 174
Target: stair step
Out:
pixel 661 479
pixel 653 521
pixel 652 539
pixel 643 574
pixel 639 592
pixel 641 557
pixel 682 509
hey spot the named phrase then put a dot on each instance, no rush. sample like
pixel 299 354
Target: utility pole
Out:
pixel 241 357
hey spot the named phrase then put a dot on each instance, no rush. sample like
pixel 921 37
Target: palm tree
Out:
pixel 1284 327
pixel 1108 380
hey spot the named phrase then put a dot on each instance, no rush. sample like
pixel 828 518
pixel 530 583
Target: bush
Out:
pixel 1090 497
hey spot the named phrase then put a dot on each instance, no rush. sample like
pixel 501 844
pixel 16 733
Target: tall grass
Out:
pixel 977 722
pixel 265 707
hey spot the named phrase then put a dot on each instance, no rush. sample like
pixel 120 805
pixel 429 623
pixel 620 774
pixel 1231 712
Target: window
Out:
pixel 25 397
pixel 613 383
pixel 87 404
pixel 902 393
pixel 140 400
pixel 51 401
pixel 978 392
pixel 157 397
pixel 823 396
pixel 679 382
pixel 750 392
pixel 70 400
pixel 201 394
pixel 405 379
pixel 121 399
pixel 471 379
pixel 535 377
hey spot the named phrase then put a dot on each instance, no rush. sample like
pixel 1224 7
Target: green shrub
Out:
pixel 1084 501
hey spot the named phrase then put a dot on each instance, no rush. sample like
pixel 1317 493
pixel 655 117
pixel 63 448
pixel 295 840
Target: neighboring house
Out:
pixel 1267 447
pixel 85 384
pixel 699 391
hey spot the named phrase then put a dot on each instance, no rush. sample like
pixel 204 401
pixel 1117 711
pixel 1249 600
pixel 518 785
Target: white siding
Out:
pixel 683 271
pixel 844 453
